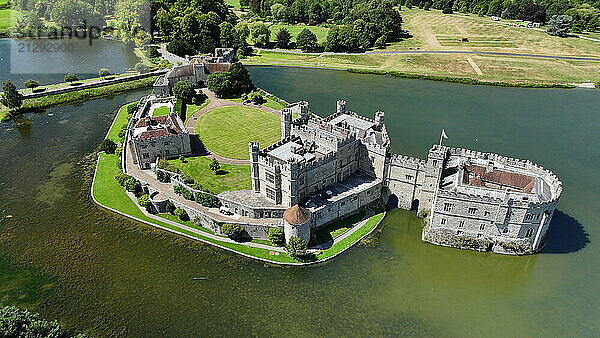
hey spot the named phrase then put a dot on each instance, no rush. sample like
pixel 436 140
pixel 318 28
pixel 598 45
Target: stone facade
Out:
pixel 153 137
pixel 196 71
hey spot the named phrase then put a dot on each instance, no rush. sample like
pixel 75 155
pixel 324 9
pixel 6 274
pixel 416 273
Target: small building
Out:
pixel 195 71
pixel 153 137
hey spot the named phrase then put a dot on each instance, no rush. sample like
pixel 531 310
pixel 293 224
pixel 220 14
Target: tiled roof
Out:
pixel 296 215
pixel 501 177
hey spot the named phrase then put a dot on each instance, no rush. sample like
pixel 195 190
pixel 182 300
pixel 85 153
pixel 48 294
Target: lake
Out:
pixel 103 274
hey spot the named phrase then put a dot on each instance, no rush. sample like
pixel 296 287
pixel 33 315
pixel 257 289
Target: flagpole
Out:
pixel 441 136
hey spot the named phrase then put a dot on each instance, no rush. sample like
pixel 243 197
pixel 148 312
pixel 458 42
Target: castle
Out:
pixel 325 169
pixel 196 70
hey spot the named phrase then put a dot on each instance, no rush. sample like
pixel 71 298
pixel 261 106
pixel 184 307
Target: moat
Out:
pixel 96 271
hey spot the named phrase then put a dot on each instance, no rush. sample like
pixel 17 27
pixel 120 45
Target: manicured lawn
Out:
pixel 227 131
pixel 120 120
pixel 161 111
pixel 335 229
pixel 320 32
pixel 232 177
pixel 192 108
pixel 350 240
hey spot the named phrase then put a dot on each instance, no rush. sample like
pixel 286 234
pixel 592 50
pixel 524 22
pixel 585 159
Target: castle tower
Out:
pixel 253 148
pixel 286 123
pixel 379 119
pixel 340 106
pixel 296 223
pixel 304 111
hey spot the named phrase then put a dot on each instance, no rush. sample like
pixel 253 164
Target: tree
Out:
pixel 233 231
pixel 108 146
pixel 144 202
pixel 260 33
pixel 140 68
pixel 71 77
pixel 132 185
pixel 427 6
pixel 180 48
pixel 71 13
pixel 381 41
pixel 283 38
pixel 11 97
pixel 560 25
pixel 447 10
pixel 103 72
pixel 181 214
pixel 22 323
pixel 207 200
pixel 307 41
pixel 215 166
pixel 184 90
pixel 243 30
pixel 229 37
pixel 296 247
pixel 276 236
pixel 232 83
pixel 31 84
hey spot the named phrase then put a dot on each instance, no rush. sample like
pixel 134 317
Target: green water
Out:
pixel 106 275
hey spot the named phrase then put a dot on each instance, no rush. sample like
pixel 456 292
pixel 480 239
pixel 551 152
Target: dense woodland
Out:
pixel 198 26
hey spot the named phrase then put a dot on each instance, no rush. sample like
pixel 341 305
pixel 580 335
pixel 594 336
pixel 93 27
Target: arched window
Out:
pixel 505 230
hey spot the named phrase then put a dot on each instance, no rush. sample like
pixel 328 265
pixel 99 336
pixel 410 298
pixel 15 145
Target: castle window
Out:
pixel 448 206
pixel 166 151
pixel 482 227
pixel 443 221
pixel 529 232
pixel 270 177
pixel 479 235
pixel 472 211
pixel 505 230
pixel 461 224
pixel 486 213
pixel 270 193
pixel 145 155
pixel 459 232
pixel 409 177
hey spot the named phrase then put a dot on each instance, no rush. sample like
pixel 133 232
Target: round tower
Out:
pixel 296 223
pixel 253 148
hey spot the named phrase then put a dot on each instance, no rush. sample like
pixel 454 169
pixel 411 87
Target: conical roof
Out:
pixel 296 215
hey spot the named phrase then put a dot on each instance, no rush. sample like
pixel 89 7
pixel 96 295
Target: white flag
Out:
pixel 444 136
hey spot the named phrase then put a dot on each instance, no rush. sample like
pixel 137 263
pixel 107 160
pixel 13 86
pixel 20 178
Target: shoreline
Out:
pixel 338 248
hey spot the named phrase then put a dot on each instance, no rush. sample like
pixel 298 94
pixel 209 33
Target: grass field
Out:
pixel 226 131
pixel 270 103
pixel 433 31
pixel 120 120
pixel 192 108
pixel 320 32
pixel 161 111
pixel 232 177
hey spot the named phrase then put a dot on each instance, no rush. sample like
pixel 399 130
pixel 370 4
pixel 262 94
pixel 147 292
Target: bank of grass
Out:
pixel 191 109
pixel 190 224
pixel 226 131
pixel 107 192
pixel 231 176
pixel 119 123
pixel 67 84
pixel 8 18
pixel 347 242
pixel 86 94
pixel 272 103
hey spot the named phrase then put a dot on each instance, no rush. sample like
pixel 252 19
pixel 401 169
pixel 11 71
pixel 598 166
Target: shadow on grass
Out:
pixel 565 235
pixel 222 172
pixel 198 148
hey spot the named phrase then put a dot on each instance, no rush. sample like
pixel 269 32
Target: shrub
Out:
pixel 296 248
pixel 22 323
pixel 103 72
pixel 31 84
pixel 108 146
pixel 215 166
pixel 187 179
pixel 170 207
pixel 71 77
pixel 141 68
pixel 207 200
pixel 276 236
pixel 132 185
pixel 184 90
pixel 187 194
pixel 163 177
pixel 233 231
pixel 447 10
pixel 181 214
pixel 131 109
pixel 199 99
pixel 144 202
pixel 121 178
pixel 256 96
